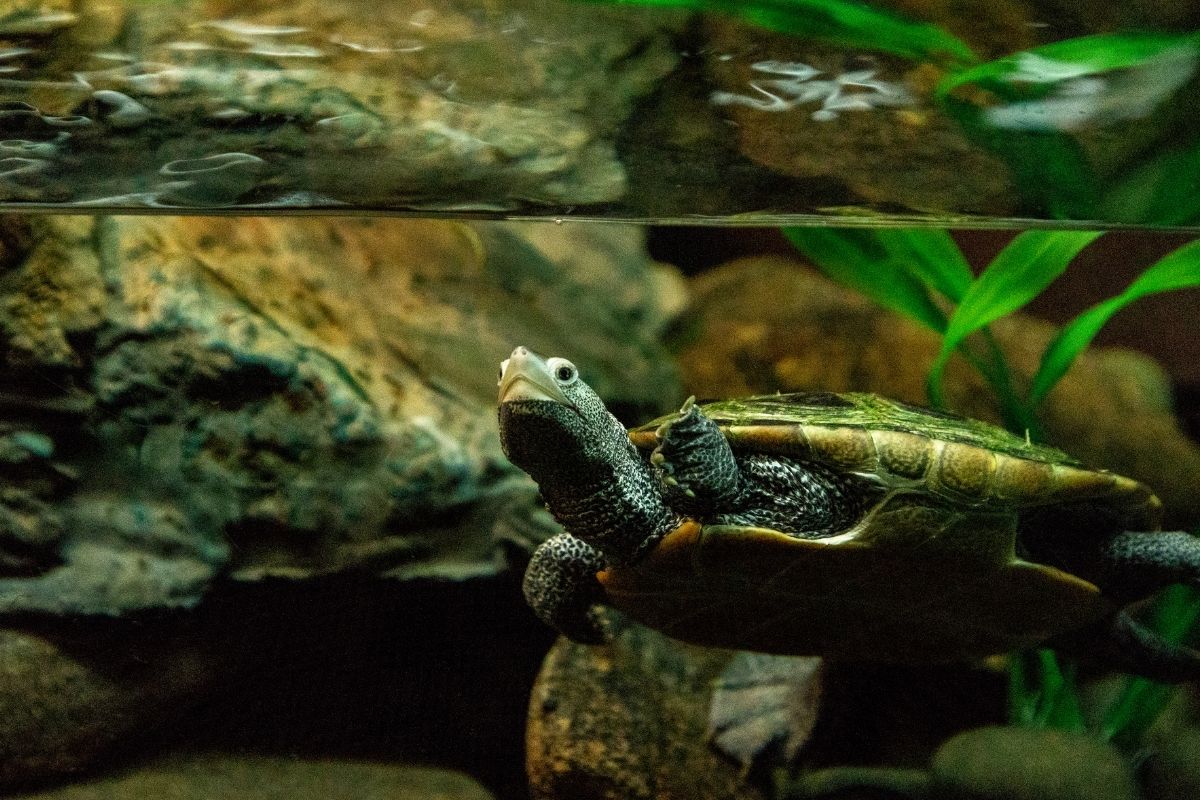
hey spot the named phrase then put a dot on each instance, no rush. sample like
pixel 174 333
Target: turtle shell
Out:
pixel 930 570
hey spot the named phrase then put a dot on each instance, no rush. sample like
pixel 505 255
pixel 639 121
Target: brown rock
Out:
pixel 187 400
pixel 66 698
pixel 896 149
pixel 1001 763
pixel 628 720
pixel 762 325
pixel 460 106
pixel 249 777
pixel 1173 769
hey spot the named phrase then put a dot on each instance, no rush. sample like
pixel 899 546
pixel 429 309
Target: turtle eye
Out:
pixel 564 371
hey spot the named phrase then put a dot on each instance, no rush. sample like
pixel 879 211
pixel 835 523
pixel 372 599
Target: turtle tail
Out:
pixel 1132 647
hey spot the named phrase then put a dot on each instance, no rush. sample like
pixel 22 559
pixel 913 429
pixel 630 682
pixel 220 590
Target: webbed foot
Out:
pixel 560 586
pixel 693 461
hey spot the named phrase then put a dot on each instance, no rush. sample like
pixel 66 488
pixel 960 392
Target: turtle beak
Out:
pixel 524 375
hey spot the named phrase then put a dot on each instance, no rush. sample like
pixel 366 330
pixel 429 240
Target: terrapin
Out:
pixel 843 525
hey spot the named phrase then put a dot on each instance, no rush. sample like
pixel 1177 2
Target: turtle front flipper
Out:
pixel 560 586
pixel 694 462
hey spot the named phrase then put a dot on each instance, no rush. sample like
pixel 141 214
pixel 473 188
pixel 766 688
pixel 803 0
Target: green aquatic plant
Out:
pixel 920 273
pixel 1033 109
pixel 837 21
pixel 923 275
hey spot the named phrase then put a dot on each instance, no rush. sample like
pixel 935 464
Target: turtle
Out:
pixel 843 525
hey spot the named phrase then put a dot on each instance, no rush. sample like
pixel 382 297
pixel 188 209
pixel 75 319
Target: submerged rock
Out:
pixel 864 122
pixel 251 777
pixel 761 325
pixel 68 693
pixel 629 719
pixel 1002 763
pixel 1173 769
pixel 193 400
pixel 461 105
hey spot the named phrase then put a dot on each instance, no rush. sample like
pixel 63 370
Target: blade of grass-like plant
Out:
pixel 1162 191
pixel 930 255
pixel 1179 269
pixel 1018 274
pixel 1051 170
pixel 1141 700
pixel 1041 693
pixel 1052 63
pixel 897 268
pixel 856 258
pixel 839 21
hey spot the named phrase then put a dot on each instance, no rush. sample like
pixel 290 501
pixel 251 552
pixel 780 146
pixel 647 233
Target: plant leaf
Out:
pixel 1179 269
pixel 1018 274
pixel 930 255
pixel 1161 192
pixel 1128 719
pixel 839 21
pixel 1084 55
pixel 860 260
pixel 1027 109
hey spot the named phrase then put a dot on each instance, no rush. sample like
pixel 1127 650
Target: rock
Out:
pixel 35 17
pixel 1173 769
pixel 1000 763
pixel 191 400
pixel 466 106
pixel 867 123
pixel 68 694
pixel 200 776
pixel 761 325
pixel 628 720
pixel 284 398
pixel 1172 747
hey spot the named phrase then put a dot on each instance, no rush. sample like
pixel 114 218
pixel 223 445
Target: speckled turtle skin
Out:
pixel 843 525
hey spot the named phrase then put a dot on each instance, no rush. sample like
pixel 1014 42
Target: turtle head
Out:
pixel 553 425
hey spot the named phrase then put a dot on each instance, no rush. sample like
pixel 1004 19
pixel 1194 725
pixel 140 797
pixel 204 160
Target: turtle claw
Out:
pixel 693 461
pixel 663 432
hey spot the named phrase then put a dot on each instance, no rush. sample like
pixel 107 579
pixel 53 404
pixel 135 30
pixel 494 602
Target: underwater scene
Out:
pixel 573 399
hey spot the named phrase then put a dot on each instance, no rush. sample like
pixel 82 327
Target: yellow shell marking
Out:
pixel 966 469
pixel 851 448
pixel 1020 479
pixel 1071 483
pixel 903 454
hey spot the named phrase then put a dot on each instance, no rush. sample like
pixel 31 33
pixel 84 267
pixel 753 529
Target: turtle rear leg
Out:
pixel 694 463
pixel 561 587
pixel 1124 644
pixel 1134 565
